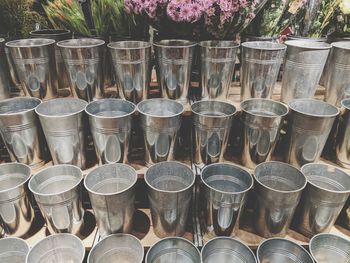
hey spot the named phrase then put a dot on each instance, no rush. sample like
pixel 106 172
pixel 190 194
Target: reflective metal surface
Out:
pixel 262 120
pixel 337 76
pixel 34 61
pixel 58 248
pixel 327 190
pixel 110 124
pixel 13 250
pixel 212 123
pixel 278 250
pixel 169 192
pixel 57 191
pixel 16 213
pixel 117 248
pixel 15 83
pixel 305 142
pixel 225 190
pixel 21 131
pixel 64 124
pixel 342 144
pixel 57 35
pixel 173 250
pixel 4 73
pixel 111 190
pixel 131 61
pixel 261 62
pixel 226 250
pixel 303 68
pixel 278 191
pixel 326 248
pixel 218 63
pixel 160 121
pixel 83 59
pixel 174 63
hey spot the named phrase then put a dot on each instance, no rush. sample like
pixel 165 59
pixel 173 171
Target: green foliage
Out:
pixel 18 19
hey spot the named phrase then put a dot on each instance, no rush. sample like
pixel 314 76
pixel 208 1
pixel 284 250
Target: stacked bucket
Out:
pixel 68 106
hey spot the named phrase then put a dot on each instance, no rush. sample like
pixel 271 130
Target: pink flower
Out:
pixel 185 13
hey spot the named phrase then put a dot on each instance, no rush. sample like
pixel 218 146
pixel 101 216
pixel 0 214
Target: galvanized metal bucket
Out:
pixel 218 60
pixel 342 154
pixel 212 123
pixel 303 68
pixel 83 59
pixel 13 250
pixel 57 191
pixel 160 121
pixel 305 142
pixel 326 248
pixel 64 124
pixel 327 191
pixel 278 191
pixel 21 131
pixel 170 187
pixel 111 190
pixel 131 61
pixel 16 212
pixel 173 250
pixel 277 250
pixel 262 120
pixel 225 190
pixel 117 248
pixel 226 250
pixel 61 72
pixel 174 63
pixel 110 124
pixel 34 61
pixel 261 62
pixel 4 73
pixel 337 76
pixel 58 248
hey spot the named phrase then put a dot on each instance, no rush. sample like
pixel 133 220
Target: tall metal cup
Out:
pixel 21 131
pixel 174 250
pixel 64 125
pixel 83 59
pixel 58 248
pixel 303 68
pixel 111 189
pixel 34 61
pixel 262 120
pixel 57 191
pixel 212 123
pixel 309 124
pixel 4 73
pixel 261 62
pixel 327 191
pixel 337 76
pixel 13 250
pixel 131 61
pixel 117 248
pixel 174 63
pixel 225 191
pixel 218 64
pixel 160 121
pixel 326 248
pixel 16 212
pixel 169 192
pixel 343 135
pixel 278 250
pixel 57 35
pixel 110 124
pixel 278 191
pixel 226 250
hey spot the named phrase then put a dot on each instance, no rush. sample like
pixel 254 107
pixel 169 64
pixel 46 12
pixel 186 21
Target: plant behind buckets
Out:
pixel 197 19
pixel 107 17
